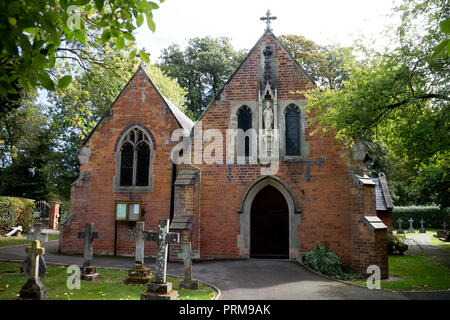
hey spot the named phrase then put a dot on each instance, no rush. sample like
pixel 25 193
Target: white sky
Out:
pixel 323 21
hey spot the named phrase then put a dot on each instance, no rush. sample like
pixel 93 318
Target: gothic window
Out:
pixel 292 134
pixel 244 123
pixel 134 159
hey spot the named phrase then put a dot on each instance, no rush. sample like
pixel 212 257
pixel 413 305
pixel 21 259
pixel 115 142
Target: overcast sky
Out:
pixel 323 21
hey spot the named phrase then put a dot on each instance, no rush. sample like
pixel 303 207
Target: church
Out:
pixel 272 189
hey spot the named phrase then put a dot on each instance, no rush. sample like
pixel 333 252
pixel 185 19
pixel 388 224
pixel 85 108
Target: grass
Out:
pixel 110 287
pixel 417 273
pixel 431 231
pixel 19 240
pixel 439 243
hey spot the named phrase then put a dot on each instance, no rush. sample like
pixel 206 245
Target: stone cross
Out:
pixel 13 231
pixel 37 233
pixel 422 229
pixel 411 228
pixel 140 235
pixel 162 237
pixel 88 235
pixel 267 18
pixel 400 230
pixel 186 255
pixel 34 289
pixel 445 226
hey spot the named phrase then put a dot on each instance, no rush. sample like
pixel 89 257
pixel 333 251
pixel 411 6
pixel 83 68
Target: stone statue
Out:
pixel 268 116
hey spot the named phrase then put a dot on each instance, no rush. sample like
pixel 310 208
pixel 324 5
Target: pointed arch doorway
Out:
pixel 269 225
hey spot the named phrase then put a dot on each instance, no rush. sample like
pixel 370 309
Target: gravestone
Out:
pixel 186 255
pixel 411 228
pixel 88 272
pixel 400 230
pixel 15 231
pixel 159 289
pixel 26 264
pixel 422 229
pixel 33 288
pixel 139 274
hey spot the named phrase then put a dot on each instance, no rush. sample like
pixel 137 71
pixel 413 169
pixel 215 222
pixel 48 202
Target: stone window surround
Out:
pixel 235 107
pixel 282 105
pixel 117 159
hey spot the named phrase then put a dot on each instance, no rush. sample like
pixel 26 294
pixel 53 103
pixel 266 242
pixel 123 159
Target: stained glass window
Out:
pixel 292 125
pixel 244 123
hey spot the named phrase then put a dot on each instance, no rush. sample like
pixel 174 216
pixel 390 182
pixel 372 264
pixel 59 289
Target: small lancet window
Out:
pixel 292 134
pixel 244 123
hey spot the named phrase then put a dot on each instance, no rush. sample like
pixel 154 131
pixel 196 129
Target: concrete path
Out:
pixel 242 279
pixel 422 240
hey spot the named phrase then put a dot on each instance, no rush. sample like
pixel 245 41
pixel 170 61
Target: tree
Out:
pixel 400 95
pixel 326 65
pixel 203 68
pixel 37 34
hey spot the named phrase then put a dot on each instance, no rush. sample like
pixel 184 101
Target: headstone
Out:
pixel 186 255
pixel 139 274
pixel 159 289
pixel 422 229
pixel 36 234
pixel 445 226
pixel 88 272
pixel 33 288
pixel 411 228
pixel 15 231
pixel 400 230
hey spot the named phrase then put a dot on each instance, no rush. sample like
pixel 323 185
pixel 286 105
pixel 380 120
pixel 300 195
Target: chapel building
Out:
pixel 274 192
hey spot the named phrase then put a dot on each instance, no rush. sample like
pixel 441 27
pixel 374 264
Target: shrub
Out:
pixel 14 212
pixel 324 261
pixel 396 244
pixel 63 211
pixel 432 216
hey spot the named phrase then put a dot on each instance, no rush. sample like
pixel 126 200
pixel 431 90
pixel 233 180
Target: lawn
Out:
pixel 417 273
pixel 440 244
pixel 14 241
pixel 111 286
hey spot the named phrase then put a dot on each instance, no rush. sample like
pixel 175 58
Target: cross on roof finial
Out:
pixel 268 18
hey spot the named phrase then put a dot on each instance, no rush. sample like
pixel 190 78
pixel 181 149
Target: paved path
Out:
pixel 238 279
pixel 417 240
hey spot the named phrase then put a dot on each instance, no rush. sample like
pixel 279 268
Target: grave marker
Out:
pixel 139 274
pixel 400 230
pixel 41 237
pixel 15 231
pixel 411 228
pixel 88 272
pixel 186 255
pixel 422 229
pixel 159 289
pixel 33 288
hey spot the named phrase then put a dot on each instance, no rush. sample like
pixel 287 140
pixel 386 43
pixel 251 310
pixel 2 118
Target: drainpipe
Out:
pixel 199 207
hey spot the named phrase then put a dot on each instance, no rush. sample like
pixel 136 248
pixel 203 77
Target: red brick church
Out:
pixel 234 207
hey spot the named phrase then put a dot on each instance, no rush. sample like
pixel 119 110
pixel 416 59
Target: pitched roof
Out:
pixel 382 195
pixel 267 32
pixel 181 118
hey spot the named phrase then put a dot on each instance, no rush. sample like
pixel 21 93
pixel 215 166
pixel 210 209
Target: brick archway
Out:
pixel 245 211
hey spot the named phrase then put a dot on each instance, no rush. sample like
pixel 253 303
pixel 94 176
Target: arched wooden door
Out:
pixel 269 221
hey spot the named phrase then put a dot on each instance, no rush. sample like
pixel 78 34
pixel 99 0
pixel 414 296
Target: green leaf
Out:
pixel 120 43
pixel 80 35
pixel 448 48
pixel 132 55
pixel 128 36
pixel 45 80
pixel 445 26
pixel 139 20
pixel 64 81
pixel 439 48
pixel 144 56
pixel 99 4
pixel 150 22
pixel 106 35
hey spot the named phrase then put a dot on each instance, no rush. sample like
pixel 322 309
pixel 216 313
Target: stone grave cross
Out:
pixel 139 274
pixel 445 226
pixel 411 228
pixel 422 229
pixel 37 233
pixel 187 255
pixel 88 235
pixel 400 230
pixel 33 288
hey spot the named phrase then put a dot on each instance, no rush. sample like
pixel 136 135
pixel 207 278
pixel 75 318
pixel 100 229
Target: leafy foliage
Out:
pixel 396 244
pixel 432 216
pixel 36 35
pixel 15 212
pixel 202 68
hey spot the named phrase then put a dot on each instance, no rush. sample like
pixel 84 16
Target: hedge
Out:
pixel 16 212
pixel 432 216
